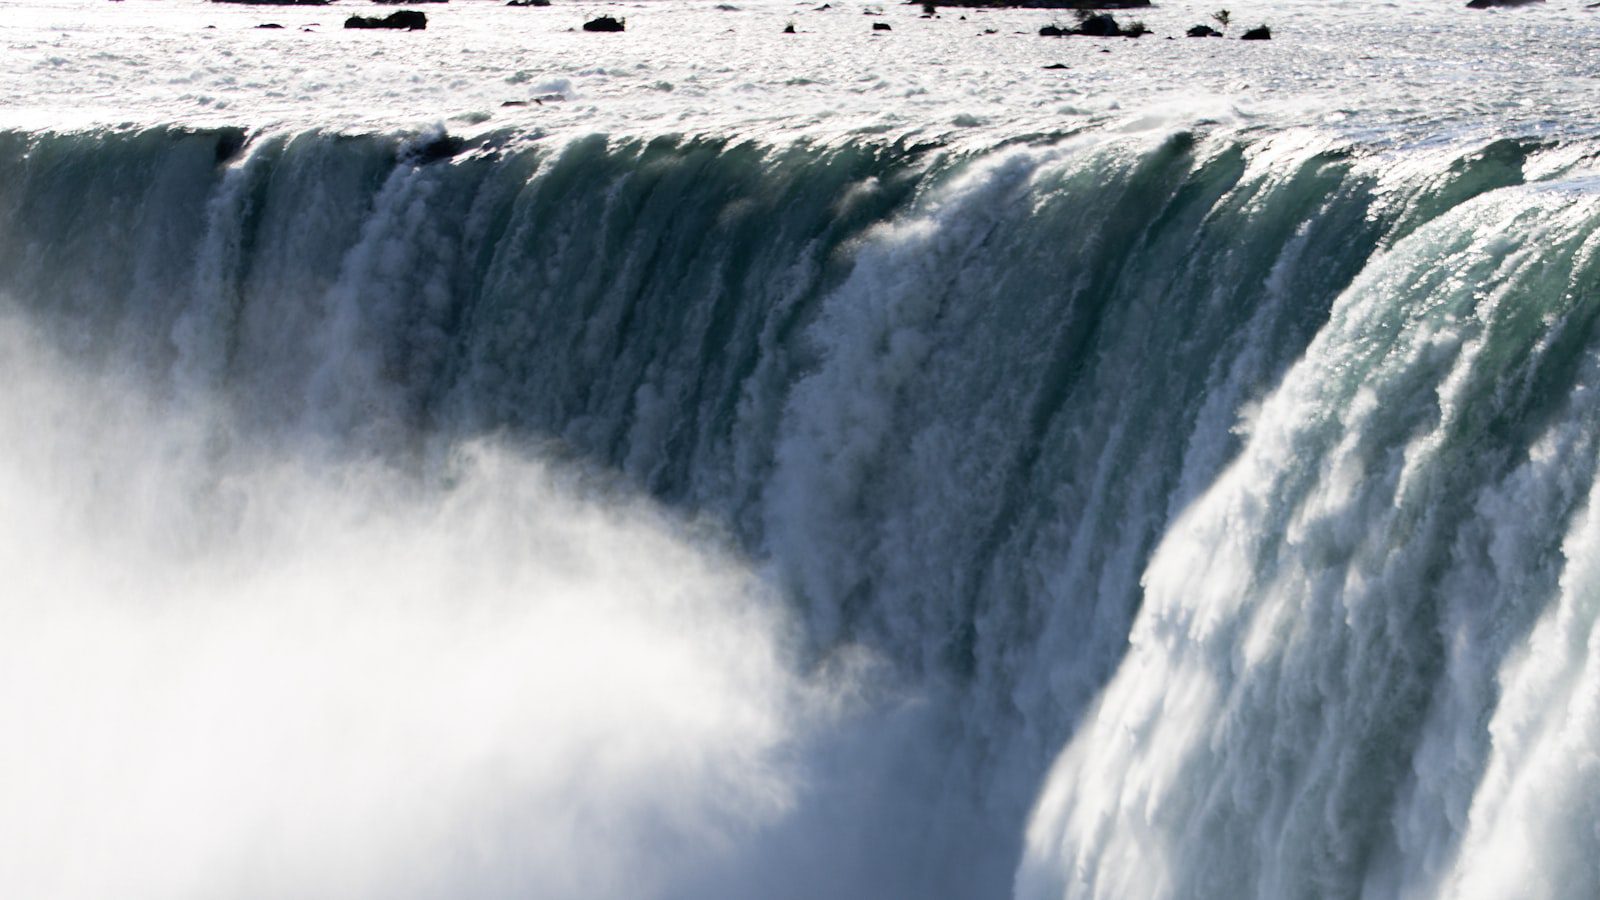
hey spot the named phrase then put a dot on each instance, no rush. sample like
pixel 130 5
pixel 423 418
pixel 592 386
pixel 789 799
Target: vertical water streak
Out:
pixel 1301 712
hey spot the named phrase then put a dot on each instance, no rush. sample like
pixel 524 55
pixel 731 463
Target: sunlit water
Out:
pixel 840 464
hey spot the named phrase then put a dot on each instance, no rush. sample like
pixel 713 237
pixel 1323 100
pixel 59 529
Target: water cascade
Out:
pixel 1186 513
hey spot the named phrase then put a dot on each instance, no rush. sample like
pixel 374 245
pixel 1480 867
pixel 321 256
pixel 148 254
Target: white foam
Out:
pixel 1387 73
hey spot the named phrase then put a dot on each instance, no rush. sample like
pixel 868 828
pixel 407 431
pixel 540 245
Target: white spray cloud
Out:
pixel 233 672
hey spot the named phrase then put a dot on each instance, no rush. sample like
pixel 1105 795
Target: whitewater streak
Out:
pixel 1183 513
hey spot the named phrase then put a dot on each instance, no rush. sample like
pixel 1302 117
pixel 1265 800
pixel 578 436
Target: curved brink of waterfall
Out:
pixel 1183 514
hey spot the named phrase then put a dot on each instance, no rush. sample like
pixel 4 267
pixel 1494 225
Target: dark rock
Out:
pixel 528 2
pixel 1259 33
pixel 881 26
pixel 406 19
pixel 1058 66
pixel 277 2
pixel 229 142
pixel 788 29
pixel 1046 31
pixel 1045 4
pixel 1099 25
pixel 1497 4
pixel 269 25
pixel 514 103
pixel 433 149
pixel 398 2
pixel 1203 31
pixel 605 23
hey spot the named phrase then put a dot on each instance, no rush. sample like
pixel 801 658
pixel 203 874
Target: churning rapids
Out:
pixel 1119 493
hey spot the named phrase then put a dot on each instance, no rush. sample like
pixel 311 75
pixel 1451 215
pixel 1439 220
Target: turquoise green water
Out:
pixel 1215 502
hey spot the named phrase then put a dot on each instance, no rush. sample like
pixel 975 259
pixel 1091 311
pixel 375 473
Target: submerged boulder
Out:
pixel 1259 33
pixel 405 19
pixel 1203 31
pixel 605 23
pixel 881 26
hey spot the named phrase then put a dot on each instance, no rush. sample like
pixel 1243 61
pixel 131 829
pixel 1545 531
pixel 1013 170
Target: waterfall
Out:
pixel 1183 513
